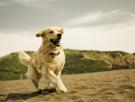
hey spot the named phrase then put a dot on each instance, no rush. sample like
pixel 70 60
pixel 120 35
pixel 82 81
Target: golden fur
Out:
pixel 48 61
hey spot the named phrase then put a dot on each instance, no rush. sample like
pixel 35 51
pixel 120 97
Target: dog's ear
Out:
pixel 62 30
pixel 40 34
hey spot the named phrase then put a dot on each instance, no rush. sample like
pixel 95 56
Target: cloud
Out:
pixel 4 4
pixel 89 17
pixel 18 41
pixel 106 37
pixel 101 38
pixel 30 3
pixel 85 26
pixel 99 18
pixel 27 3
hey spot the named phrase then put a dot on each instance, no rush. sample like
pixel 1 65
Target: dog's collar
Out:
pixel 55 54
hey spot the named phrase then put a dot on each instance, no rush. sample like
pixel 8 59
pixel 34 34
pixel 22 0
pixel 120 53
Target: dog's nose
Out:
pixel 59 35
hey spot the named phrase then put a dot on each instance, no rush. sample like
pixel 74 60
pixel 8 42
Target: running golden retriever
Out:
pixel 48 61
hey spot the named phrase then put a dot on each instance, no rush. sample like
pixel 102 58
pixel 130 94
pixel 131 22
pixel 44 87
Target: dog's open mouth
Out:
pixel 56 42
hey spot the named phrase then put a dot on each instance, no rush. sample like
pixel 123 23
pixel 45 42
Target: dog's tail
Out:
pixel 24 58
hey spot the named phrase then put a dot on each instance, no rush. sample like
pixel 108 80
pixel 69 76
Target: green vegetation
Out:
pixel 11 68
pixel 77 61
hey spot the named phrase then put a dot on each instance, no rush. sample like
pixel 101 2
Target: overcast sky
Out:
pixel 89 24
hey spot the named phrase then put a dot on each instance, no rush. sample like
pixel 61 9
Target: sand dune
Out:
pixel 111 86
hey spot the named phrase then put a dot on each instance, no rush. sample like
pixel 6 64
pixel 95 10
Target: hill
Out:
pixel 77 61
pixel 110 86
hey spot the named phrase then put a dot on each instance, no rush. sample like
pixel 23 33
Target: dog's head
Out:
pixel 52 34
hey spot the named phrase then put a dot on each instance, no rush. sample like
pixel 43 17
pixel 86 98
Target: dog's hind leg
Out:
pixel 34 76
pixel 36 84
pixel 49 86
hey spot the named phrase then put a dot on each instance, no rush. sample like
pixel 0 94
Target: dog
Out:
pixel 48 61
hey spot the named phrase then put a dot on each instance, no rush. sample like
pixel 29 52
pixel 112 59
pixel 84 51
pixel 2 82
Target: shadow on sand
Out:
pixel 24 96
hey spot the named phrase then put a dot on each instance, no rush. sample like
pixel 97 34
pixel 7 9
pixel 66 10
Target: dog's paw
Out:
pixel 50 89
pixel 64 90
pixel 38 92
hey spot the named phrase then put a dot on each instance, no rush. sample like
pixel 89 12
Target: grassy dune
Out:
pixel 110 86
pixel 77 61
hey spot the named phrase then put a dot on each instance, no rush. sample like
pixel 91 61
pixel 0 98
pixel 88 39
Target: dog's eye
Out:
pixel 51 32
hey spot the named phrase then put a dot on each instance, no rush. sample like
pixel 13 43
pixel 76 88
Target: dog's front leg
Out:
pixel 56 80
pixel 59 74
